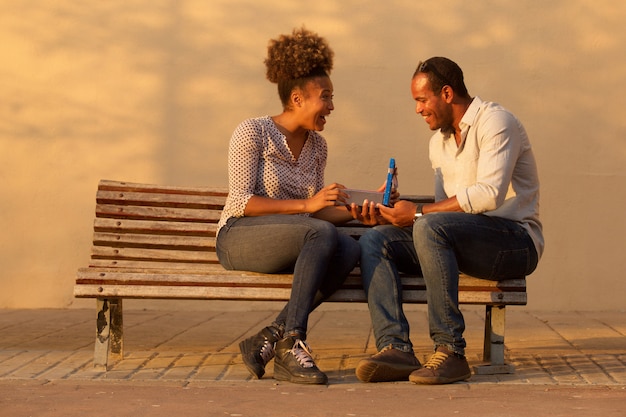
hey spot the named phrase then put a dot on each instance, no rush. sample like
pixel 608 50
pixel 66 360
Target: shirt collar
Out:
pixel 467 120
pixel 470 114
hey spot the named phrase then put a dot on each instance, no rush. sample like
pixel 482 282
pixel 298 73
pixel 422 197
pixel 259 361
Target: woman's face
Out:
pixel 316 103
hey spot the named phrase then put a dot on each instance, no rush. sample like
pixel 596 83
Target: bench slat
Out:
pixel 270 294
pixel 213 278
pixel 156 213
pixel 110 185
pixel 156 227
pixel 161 255
pixel 161 199
pixel 516 284
pixel 216 275
pixel 419 297
pixel 209 277
pixel 183 292
pixel 151 241
pixel 149 264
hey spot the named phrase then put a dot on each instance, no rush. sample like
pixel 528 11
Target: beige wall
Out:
pixel 150 91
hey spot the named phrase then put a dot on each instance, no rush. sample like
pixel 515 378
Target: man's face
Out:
pixel 437 113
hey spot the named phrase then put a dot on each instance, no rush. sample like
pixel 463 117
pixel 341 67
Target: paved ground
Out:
pixel 187 363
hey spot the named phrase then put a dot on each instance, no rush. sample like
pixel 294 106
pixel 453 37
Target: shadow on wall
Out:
pixel 175 78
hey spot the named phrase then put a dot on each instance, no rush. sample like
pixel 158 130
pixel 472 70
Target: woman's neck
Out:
pixel 295 135
pixel 289 127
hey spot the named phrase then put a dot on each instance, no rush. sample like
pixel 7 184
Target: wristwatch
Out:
pixel 418 212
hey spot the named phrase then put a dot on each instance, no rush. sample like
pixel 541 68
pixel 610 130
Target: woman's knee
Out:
pixel 323 228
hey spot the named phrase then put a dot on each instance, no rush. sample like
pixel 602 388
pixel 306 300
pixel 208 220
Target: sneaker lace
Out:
pixel 436 360
pixel 302 353
pixel 267 351
pixel 385 349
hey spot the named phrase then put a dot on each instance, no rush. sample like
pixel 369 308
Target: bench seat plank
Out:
pixel 217 275
pixel 268 293
pixel 209 285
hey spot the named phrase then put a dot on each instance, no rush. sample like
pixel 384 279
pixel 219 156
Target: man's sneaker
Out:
pixel 443 367
pixel 294 363
pixel 387 365
pixel 258 350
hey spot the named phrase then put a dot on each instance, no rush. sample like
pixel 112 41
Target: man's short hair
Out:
pixel 441 72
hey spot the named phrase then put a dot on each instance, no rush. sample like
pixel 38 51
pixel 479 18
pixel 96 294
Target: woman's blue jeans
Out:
pixel 318 255
pixel 440 245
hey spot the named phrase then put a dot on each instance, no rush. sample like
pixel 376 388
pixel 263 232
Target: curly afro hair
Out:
pixel 302 54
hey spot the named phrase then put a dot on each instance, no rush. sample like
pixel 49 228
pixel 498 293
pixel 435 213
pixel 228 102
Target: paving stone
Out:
pixel 192 348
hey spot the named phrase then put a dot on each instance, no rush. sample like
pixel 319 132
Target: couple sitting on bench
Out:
pixel 280 216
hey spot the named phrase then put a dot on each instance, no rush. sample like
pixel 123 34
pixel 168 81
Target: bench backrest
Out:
pixel 140 225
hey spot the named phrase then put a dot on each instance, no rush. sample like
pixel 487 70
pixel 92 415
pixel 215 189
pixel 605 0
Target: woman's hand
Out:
pixel 326 197
pixel 367 214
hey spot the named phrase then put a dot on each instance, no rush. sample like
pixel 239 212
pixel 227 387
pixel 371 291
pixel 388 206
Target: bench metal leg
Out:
pixel 110 332
pixel 493 344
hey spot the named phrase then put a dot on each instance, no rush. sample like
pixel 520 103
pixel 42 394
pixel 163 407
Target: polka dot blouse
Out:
pixel 260 163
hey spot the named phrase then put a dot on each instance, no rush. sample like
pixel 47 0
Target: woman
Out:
pixel 279 215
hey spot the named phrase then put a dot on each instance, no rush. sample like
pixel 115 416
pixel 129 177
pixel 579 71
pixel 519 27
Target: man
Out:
pixel 484 222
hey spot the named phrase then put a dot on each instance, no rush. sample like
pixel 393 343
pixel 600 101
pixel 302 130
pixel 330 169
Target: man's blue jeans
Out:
pixel 318 255
pixel 440 245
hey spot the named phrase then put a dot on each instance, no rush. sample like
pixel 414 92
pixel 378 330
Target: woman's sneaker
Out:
pixel 258 350
pixel 389 364
pixel 444 367
pixel 294 363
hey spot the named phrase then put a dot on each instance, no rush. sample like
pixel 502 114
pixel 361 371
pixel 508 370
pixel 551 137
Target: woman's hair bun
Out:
pixel 297 55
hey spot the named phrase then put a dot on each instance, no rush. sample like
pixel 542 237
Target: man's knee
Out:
pixel 372 241
pixel 433 222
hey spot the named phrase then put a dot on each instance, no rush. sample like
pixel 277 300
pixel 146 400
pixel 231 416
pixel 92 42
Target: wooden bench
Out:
pixel 158 242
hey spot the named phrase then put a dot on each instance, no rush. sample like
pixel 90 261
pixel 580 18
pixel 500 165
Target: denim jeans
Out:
pixel 318 255
pixel 439 246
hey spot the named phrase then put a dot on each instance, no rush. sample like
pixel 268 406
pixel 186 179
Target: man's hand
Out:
pixel 402 214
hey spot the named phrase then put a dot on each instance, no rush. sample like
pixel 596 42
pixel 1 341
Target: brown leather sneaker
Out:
pixel 387 365
pixel 443 367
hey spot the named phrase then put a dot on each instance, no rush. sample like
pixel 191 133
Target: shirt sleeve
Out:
pixel 244 154
pixel 440 192
pixel 499 140
pixel 321 162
